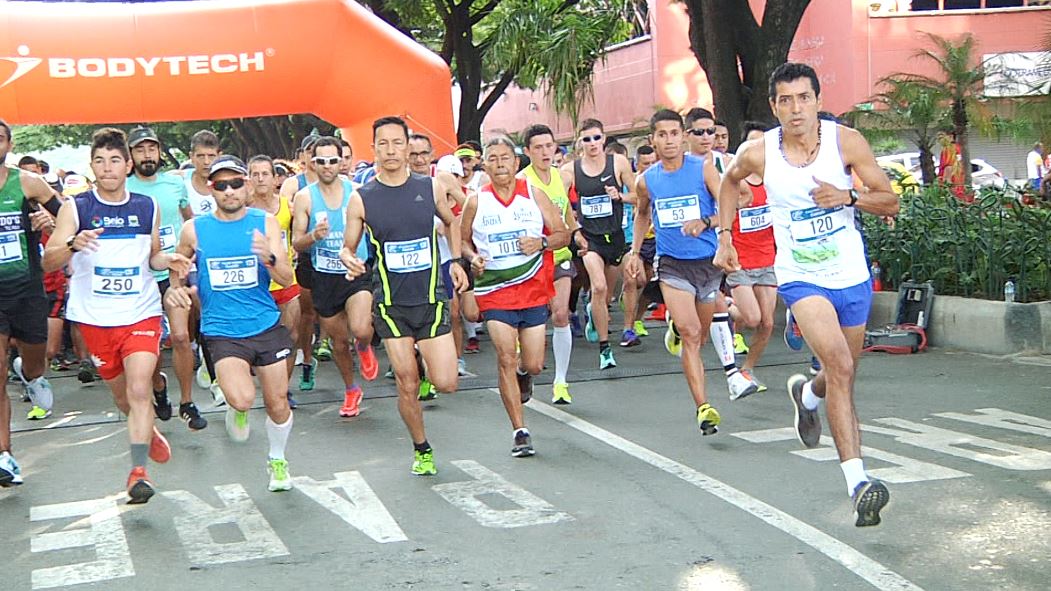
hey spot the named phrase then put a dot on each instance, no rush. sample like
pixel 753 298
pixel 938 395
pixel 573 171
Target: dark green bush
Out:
pixel 965 249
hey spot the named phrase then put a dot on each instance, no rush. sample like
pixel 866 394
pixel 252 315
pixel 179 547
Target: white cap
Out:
pixel 450 163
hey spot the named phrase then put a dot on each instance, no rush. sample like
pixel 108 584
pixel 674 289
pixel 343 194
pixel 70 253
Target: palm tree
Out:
pixel 907 103
pixel 959 79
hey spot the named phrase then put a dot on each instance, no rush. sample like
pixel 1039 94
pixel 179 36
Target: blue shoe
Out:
pixel 630 339
pixel 589 329
pixel 292 401
pixel 793 338
pixel 815 365
pixel 574 325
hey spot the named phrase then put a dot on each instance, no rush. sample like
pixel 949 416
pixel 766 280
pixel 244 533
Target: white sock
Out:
pixel 810 401
pixel 562 344
pixel 854 473
pixel 278 437
pixel 723 339
pixel 471 328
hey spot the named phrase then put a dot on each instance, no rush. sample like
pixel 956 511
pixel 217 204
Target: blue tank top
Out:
pixel 676 198
pixel 233 284
pixel 324 255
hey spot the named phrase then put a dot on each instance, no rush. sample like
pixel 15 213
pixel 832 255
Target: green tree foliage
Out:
pixel 906 103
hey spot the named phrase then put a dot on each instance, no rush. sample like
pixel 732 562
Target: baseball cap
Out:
pixel 141 134
pixel 227 162
pixel 450 164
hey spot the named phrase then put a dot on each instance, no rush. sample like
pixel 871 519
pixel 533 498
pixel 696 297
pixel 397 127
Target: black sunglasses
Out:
pixel 231 184
pixel 587 139
pixel 705 131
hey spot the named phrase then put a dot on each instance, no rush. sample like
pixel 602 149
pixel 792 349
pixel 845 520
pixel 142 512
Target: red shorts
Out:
pixel 286 294
pixel 109 345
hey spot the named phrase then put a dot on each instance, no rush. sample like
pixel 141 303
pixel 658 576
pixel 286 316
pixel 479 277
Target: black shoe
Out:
pixel 162 407
pixel 808 422
pixel 523 445
pixel 189 413
pixel 86 374
pixel 292 401
pixel 869 497
pixel 525 387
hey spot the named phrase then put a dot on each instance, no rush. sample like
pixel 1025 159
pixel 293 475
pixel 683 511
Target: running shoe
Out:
pixel 10 472
pixel 461 367
pixel 160 450
pixel 605 358
pixel 162 407
pixel 280 479
pixel 815 365
pixel 204 379
pixel 869 498
pixel 672 340
pixel 189 413
pixel 86 373
pixel 525 387
pixel 323 350
pixel 140 489
pixel 640 329
pixel 306 381
pixel 740 347
pixel 352 402
pixel 427 391
pixel 630 339
pixel 38 414
pixel 56 365
pixel 807 422
pixel 523 447
pixel 237 425
pixel 423 464
pixel 574 325
pixel 793 338
pixel 370 366
pixel 292 402
pixel 589 327
pixel 741 385
pixel 390 373
pixel 708 419
pixel 217 394
pixel 761 386
pixel 560 394
pixel 472 346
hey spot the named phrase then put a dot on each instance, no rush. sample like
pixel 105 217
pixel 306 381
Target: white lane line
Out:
pixel 875 573
pixel 60 422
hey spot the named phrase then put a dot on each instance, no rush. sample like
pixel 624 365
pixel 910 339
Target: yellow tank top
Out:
pixel 555 191
pixel 284 220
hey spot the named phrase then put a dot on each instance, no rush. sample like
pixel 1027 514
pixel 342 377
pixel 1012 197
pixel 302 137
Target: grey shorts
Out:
pixel 749 277
pixel 699 276
pixel 566 269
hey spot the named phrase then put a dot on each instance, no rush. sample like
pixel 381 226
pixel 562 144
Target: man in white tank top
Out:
pixel 820 264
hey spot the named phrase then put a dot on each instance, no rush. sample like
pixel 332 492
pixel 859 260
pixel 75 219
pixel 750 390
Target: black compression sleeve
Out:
pixel 53 206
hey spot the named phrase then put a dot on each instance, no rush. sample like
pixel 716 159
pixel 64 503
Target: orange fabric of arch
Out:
pixel 185 61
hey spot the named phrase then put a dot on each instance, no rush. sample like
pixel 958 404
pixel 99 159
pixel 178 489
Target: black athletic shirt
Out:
pixel 594 203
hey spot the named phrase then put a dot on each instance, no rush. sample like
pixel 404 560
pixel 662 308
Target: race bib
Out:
pixel 673 212
pixel 504 244
pixel 408 256
pixel 167 234
pixel 815 223
pixel 328 261
pixel 754 219
pixel 596 206
pixel 116 281
pixel 11 246
pixel 230 273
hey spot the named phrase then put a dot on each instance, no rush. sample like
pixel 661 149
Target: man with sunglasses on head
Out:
pixel 170 194
pixel 238 250
pixel 604 183
pixel 344 307
pixel 701 130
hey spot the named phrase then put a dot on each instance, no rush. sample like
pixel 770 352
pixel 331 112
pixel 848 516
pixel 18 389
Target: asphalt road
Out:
pixel 624 492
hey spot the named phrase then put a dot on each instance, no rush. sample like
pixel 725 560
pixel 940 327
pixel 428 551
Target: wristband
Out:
pixel 543 242
pixel 853 197
pixel 707 222
pixel 722 230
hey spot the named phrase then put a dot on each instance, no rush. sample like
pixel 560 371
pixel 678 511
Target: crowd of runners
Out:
pixel 253 269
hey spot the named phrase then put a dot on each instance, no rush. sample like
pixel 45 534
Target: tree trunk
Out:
pixel 927 173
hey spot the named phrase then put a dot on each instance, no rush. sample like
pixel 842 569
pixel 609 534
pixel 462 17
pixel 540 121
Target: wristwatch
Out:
pixel 69 243
pixel 270 262
pixel 543 241
pixel 853 197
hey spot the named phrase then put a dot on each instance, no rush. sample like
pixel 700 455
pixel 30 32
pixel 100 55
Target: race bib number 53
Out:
pixel 673 212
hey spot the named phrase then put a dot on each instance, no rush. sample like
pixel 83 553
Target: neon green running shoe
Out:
pixel 708 419
pixel 427 391
pixel 560 394
pixel 423 465
pixel 640 329
pixel 740 347
pixel 279 477
pixel 672 340
pixel 323 351
pixel 37 413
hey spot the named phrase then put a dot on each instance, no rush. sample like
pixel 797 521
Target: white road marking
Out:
pixel 104 533
pixel 1008 456
pixel 868 569
pixel 465 495
pixel 61 422
pixel 363 511
pixel 1004 419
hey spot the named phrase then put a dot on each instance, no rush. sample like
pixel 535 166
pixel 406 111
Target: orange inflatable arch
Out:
pixel 185 61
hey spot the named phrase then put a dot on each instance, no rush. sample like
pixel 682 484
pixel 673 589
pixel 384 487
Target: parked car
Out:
pixel 901 180
pixel 983 174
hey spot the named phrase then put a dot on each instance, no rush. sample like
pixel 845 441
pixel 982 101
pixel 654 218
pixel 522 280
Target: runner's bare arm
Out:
pixel 187 247
pixel 57 253
pixel 880 199
pixel 445 214
pixel 453 188
pixel 566 170
pixel 36 188
pixel 643 215
pixel 626 177
pixel 354 227
pixel 749 160
pixel 558 233
pixel 289 188
pixel 301 239
pixel 711 181
pixel 467 248
pixel 281 270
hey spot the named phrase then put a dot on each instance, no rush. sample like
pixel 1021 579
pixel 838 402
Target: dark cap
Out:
pixel 225 162
pixel 141 134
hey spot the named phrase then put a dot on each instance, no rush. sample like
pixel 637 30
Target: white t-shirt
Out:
pixel 1034 165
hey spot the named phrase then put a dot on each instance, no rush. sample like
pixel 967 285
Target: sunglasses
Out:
pixel 230 184
pixel 326 160
pixel 587 139
pixel 706 131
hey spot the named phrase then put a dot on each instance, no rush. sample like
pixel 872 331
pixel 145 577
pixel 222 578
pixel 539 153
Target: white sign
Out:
pixel 362 509
pixel 1023 73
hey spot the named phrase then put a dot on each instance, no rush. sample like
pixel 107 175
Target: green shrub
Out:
pixel 965 249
